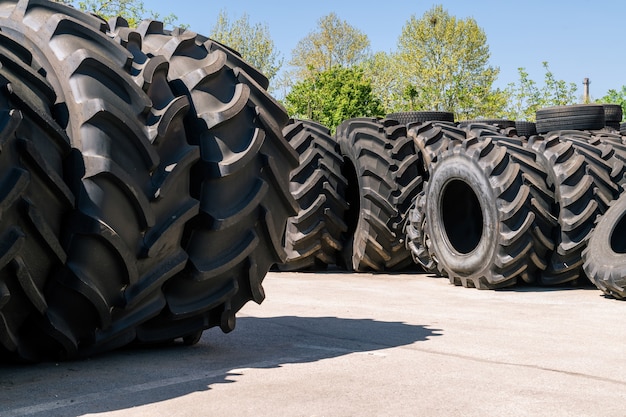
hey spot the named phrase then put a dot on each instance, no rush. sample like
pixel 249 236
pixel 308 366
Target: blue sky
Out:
pixel 578 38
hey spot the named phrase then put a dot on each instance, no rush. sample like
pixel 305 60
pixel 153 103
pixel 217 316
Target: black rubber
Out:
pixel 479 215
pixel 613 114
pixel 525 128
pixel 603 164
pixel 314 237
pixel 241 181
pixel 431 140
pixel 500 123
pixel 380 164
pixel 421 116
pixel 605 254
pixel 125 234
pixel 541 191
pixel 573 178
pixel 573 117
pixel 417 240
pixel 34 198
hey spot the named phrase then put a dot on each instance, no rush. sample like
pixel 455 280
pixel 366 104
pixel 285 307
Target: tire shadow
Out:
pixel 139 376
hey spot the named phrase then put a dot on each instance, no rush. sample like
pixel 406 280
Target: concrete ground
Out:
pixel 336 344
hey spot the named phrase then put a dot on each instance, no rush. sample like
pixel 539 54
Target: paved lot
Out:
pixel 360 345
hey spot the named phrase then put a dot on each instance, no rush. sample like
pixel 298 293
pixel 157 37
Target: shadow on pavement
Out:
pixel 139 376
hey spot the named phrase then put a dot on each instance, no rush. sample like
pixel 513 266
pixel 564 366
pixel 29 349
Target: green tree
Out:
pixel 252 41
pixel 444 62
pixel 334 43
pixel 615 97
pixel 134 11
pixel 526 96
pixel 332 96
pixel 383 69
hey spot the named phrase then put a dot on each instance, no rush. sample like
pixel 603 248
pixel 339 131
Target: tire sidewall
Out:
pixel 461 168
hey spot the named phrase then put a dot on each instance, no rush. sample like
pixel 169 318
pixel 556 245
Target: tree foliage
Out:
pixel 526 96
pixel 252 41
pixel 333 96
pixel 334 43
pixel 134 11
pixel 444 62
pixel 383 69
pixel 615 97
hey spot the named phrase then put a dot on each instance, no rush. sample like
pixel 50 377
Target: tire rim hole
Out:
pixel 618 243
pixel 462 216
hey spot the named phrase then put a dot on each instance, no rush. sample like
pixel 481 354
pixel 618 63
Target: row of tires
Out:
pixel 474 201
pixel 144 183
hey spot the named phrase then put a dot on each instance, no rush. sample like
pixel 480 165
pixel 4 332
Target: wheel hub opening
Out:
pixel 462 216
pixel 618 240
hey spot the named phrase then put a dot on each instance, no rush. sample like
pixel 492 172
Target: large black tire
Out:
pixel 380 164
pixel 613 114
pixel 578 202
pixel 525 128
pixel 605 254
pixel 314 237
pixel 573 117
pixel 131 182
pixel 34 198
pixel 499 123
pixel 541 191
pixel 241 181
pixel 417 240
pixel 603 164
pixel 421 116
pixel 479 215
pixel 431 140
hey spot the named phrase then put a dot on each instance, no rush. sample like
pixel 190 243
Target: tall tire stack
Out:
pixel 380 165
pixel 163 195
pixel 314 237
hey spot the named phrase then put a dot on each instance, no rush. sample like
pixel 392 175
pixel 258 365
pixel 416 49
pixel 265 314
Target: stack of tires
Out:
pixel 144 183
pixel 499 208
pixel 486 203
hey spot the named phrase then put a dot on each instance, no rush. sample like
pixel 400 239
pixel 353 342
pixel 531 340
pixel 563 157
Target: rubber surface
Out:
pixel 573 117
pixel 421 116
pixel 34 199
pixel 605 253
pixel 479 215
pixel 314 237
pixel 241 181
pixel 380 164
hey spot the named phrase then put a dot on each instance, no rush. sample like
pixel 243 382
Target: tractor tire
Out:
pixel 380 164
pixel 613 114
pixel 431 140
pixel 34 199
pixel 314 237
pixel 605 254
pixel 241 182
pixel 542 196
pixel 573 117
pixel 577 205
pixel 130 176
pixel 407 117
pixel 479 215
pixel 417 240
pixel 603 164
pixel 526 129
pixel 499 123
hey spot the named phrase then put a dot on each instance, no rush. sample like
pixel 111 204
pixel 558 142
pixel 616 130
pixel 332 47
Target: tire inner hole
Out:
pixel 462 216
pixel 618 243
